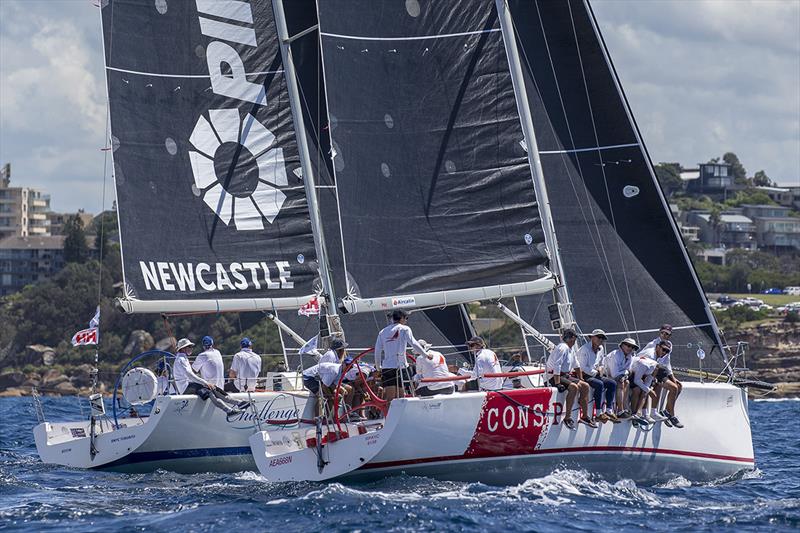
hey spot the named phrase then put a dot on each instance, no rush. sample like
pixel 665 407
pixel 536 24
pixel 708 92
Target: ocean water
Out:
pixel 37 497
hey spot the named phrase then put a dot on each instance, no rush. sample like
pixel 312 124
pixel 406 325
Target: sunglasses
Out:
pixel 665 350
pixel 667 333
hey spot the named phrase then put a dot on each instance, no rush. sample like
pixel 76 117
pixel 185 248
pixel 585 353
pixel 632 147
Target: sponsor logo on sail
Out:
pixel 262 199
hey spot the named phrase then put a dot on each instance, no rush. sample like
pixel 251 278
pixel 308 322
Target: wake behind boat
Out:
pixel 376 156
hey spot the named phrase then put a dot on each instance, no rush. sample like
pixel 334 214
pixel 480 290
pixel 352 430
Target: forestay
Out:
pixel 213 215
pixel 625 265
pixel 434 186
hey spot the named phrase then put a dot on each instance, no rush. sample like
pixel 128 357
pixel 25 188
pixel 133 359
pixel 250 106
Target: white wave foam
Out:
pixel 679 482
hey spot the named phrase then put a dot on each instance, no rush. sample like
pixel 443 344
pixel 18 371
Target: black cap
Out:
pixel 568 334
pixel 476 340
pixel 338 344
pixel 398 315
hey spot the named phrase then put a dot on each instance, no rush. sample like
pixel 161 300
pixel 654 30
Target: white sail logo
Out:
pixel 247 209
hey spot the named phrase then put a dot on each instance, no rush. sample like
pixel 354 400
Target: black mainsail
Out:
pixel 212 209
pixel 427 155
pixel 624 261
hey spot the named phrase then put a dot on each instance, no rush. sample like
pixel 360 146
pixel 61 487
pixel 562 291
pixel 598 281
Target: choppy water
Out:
pixel 36 497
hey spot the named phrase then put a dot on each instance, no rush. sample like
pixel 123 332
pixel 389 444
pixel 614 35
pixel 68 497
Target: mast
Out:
pixel 550 240
pixel 305 163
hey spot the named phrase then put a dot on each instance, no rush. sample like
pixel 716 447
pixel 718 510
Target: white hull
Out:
pixel 182 434
pixel 487 437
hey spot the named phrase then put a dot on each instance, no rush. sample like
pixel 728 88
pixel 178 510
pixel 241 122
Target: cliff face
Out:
pixel 773 355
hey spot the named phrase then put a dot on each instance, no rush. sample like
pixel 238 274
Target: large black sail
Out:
pixel 210 199
pixel 624 262
pixel 434 186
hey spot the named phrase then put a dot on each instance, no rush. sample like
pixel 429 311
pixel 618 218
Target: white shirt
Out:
pixel 560 360
pixel 642 369
pixel 352 374
pixel 210 366
pixel 329 357
pixel 434 365
pixel 588 360
pixel 391 343
pixel 247 366
pixel 328 373
pixel 616 363
pixel 663 361
pixel 486 363
pixel 183 373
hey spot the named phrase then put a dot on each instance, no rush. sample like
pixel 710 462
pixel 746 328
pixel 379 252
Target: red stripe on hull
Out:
pixel 587 449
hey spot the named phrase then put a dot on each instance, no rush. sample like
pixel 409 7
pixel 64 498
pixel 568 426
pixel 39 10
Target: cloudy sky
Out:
pixel 703 77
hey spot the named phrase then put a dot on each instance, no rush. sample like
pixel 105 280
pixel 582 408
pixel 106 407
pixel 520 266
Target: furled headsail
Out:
pixel 212 209
pixel 625 264
pixel 434 186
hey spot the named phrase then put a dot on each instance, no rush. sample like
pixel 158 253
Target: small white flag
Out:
pixel 95 321
pixel 85 336
pixel 310 345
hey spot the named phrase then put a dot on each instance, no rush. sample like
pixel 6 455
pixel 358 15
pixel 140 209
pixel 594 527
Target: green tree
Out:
pixel 669 176
pixel 749 196
pixel 75 248
pixel 739 173
pixel 761 179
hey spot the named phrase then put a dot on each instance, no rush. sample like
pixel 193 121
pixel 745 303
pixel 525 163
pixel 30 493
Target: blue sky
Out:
pixel 703 77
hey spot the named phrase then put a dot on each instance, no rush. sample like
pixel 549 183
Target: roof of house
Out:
pixel 728 219
pixel 33 242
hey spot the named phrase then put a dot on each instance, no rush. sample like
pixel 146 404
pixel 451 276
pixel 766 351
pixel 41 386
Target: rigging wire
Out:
pixel 599 250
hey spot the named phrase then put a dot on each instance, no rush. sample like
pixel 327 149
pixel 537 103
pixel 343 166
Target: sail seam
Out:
pixel 196 76
pixel 416 38
pixel 590 149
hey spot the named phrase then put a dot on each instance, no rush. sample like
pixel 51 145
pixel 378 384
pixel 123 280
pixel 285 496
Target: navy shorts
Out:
pixel 312 384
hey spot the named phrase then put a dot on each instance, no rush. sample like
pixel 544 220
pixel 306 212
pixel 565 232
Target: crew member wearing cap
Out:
pixel 557 368
pixel 187 382
pixel 433 365
pixel 245 368
pixel 588 368
pixel 209 364
pixel 336 352
pixel 486 362
pixel 642 369
pixel 665 379
pixel 617 366
pixel 390 353
pixel 664 333
pixel 324 377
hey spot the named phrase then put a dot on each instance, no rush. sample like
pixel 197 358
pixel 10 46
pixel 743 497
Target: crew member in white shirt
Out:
pixel 209 364
pixel 617 365
pixel 665 379
pixel 246 367
pixel 187 382
pixel 589 368
pixel 390 353
pixel 432 365
pixel 641 379
pixel 486 362
pixel 335 353
pixel 324 377
pixel 557 369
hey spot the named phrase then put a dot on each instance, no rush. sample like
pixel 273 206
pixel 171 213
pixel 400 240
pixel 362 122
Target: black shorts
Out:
pixel 312 384
pixel 390 377
pixel 661 375
pixel 198 390
pixel 565 381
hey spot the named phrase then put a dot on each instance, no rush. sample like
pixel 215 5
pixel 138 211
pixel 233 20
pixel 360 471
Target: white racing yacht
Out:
pixel 403 154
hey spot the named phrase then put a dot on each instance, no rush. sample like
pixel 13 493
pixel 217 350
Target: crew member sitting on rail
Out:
pixel 617 365
pixel 187 382
pixel 336 352
pixel 209 364
pixel 353 379
pixel 557 368
pixel 665 380
pixel 432 365
pixel 390 353
pixel 245 368
pixel 641 378
pixel 486 362
pixel 588 368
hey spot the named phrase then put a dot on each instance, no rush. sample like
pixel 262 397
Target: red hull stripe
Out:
pixel 551 451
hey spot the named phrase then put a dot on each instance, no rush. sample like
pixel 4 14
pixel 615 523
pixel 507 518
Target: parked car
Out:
pixel 726 300
pixel 772 290
pixel 715 305
pixel 788 308
pixel 794 291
